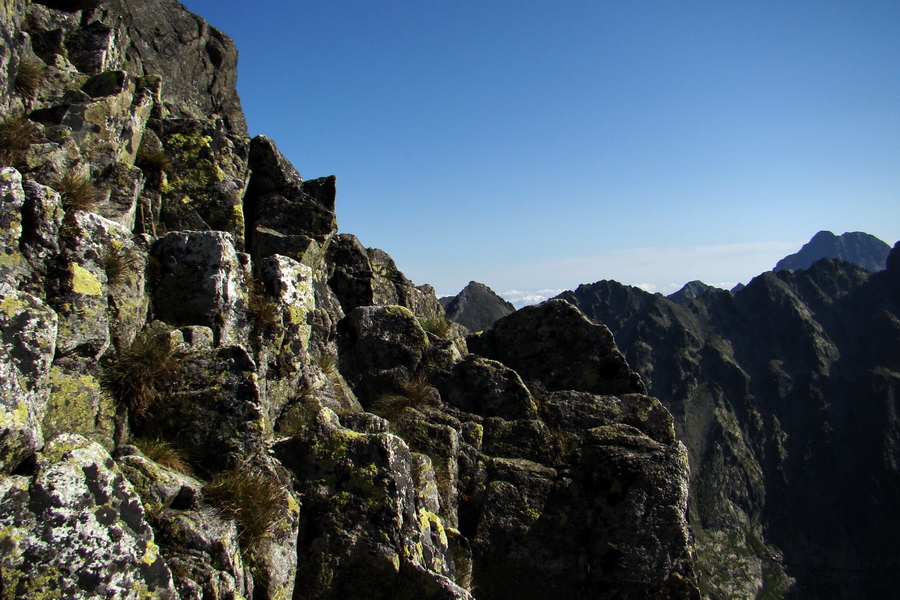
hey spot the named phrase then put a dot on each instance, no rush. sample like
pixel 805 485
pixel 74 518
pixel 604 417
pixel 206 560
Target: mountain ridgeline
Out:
pixel 786 395
pixel 207 391
pixel 861 249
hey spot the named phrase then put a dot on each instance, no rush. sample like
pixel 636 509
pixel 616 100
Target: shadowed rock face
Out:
pixel 861 249
pixel 207 392
pixel 785 395
pixel 476 307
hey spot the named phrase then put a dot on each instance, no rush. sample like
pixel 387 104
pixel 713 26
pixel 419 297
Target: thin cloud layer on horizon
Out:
pixel 663 270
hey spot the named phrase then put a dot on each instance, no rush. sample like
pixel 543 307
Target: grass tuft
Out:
pixel 77 191
pixel 29 77
pixel 154 161
pixel 16 137
pixel 118 264
pixel 252 497
pixel 140 376
pixel 164 453
pixel 414 392
pixel 327 363
pixel 439 325
pixel 262 310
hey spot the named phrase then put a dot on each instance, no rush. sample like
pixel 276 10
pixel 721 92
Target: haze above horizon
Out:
pixel 534 147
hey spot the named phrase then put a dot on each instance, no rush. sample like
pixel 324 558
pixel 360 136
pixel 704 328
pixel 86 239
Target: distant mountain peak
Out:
pixel 861 249
pixel 476 307
pixel 691 290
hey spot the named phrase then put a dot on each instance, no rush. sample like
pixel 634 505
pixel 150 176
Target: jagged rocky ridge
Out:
pixel 477 307
pixel 206 391
pixel 785 393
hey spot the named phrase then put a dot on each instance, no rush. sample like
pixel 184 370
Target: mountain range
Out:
pixel 208 391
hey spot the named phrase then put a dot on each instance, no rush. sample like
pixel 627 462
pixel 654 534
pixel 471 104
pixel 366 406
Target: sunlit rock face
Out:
pixel 207 391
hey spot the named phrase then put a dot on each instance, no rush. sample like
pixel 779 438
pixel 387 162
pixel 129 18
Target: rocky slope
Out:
pixel 861 249
pixel 785 394
pixel 206 391
pixel 477 307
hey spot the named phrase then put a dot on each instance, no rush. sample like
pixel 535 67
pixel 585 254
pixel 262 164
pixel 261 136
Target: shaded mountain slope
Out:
pixel 785 394
pixel 476 307
pixel 861 249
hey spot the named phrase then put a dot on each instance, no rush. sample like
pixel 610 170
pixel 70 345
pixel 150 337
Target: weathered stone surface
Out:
pixel 76 529
pixel 380 346
pixel 363 528
pixel 99 286
pixel 369 277
pixel 554 343
pixel 28 335
pixel 286 215
pixel 205 179
pixel 12 199
pixel 203 281
pixel 78 403
pixel 216 411
pixel 488 388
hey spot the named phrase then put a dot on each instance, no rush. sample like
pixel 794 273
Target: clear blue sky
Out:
pixel 537 145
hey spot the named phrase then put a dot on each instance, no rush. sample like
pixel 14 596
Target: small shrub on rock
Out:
pixel 164 453
pixel 439 325
pixel 77 191
pixel 414 392
pixel 154 161
pixel 29 77
pixel 252 497
pixel 16 137
pixel 141 375
pixel 262 310
pixel 327 363
pixel 118 263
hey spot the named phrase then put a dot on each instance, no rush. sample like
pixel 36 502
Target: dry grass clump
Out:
pixel 77 191
pixel 16 137
pixel 164 453
pixel 439 325
pixel 140 376
pixel 29 77
pixel 252 497
pixel 262 310
pixel 327 363
pixel 154 161
pixel 118 263
pixel 414 392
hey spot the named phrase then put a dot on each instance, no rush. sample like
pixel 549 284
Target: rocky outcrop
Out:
pixel 783 394
pixel 476 307
pixel 206 391
pixel 861 249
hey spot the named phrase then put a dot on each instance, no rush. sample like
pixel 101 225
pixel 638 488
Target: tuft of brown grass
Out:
pixel 118 263
pixel 164 453
pixel 16 137
pixel 262 310
pixel 327 363
pixel 77 191
pixel 439 325
pixel 414 392
pixel 253 497
pixel 29 77
pixel 140 376
pixel 154 161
